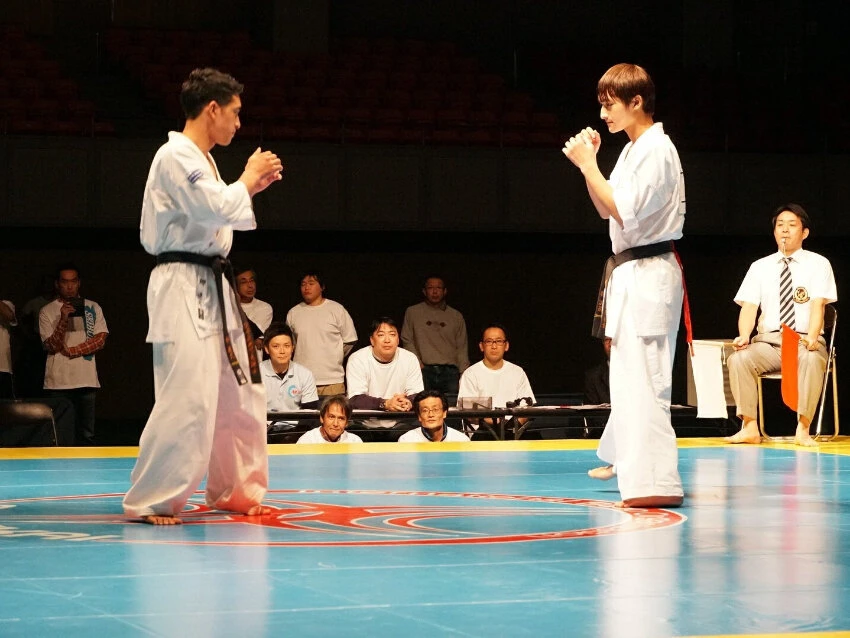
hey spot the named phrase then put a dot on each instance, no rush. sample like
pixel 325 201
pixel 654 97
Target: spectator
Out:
pixel 436 333
pixel 494 376
pixel 7 322
pixel 31 357
pixel 325 335
pixel 383 376
pixel 334 418
pixel 72 330
pixel 289 385
pixel 431 407
pixel 259 313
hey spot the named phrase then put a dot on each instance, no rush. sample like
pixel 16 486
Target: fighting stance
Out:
pixel 641 296
pixel 209 415
pixel 791 286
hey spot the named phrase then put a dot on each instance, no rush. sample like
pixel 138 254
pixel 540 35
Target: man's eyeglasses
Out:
pixel 495 342
pixel 430 411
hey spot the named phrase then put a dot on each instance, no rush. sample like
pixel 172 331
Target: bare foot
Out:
pixel 652 501
pixel 157 519
pixel 259 510
pixel 744 436
pixel 803 438
pixel 604 473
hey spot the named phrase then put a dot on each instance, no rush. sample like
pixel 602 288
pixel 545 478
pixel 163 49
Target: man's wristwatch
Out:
pixel 382 405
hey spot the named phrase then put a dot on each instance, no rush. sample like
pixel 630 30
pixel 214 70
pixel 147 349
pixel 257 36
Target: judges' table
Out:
pixel 497 421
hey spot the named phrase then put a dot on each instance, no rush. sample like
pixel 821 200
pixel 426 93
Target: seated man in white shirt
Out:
pixel 334 417
pixel 289 385
pixel 494 376
pixel 383 376
pixel 809 286
pixel 432 407
pixel 259 312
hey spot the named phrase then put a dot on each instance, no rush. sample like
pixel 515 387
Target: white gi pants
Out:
pixel 203 420
pixel 643 308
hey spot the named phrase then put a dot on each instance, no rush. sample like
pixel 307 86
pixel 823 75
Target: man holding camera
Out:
pixel 72 330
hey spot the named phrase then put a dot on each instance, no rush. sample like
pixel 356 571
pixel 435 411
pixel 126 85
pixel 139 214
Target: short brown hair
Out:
pixel 205 85
pixel 337 399
pixel 625 82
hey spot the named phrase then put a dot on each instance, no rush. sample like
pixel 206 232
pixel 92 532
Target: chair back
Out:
pixel 830 321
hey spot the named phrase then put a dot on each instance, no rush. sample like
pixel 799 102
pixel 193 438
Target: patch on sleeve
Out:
pixel 195 175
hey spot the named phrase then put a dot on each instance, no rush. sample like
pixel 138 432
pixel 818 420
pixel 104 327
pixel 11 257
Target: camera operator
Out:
pixel 72 330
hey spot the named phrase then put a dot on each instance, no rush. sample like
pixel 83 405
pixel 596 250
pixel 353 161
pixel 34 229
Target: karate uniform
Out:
pixel 203 421
pixel 643 306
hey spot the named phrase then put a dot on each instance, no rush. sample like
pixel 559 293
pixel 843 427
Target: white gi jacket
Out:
pixel 183 187
pixel 652 208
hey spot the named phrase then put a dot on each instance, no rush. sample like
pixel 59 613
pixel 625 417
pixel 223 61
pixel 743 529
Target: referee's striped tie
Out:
pixel 786 299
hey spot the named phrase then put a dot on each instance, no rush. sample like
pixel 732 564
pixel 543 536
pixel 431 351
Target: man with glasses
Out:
pixel 493 376
pixel 436 333
pixel 431 407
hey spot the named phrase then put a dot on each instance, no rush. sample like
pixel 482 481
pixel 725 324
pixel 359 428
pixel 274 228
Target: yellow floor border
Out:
pixel 840 445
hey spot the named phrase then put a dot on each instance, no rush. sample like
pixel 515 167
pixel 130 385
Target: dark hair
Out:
pixel 376 323
pixel 243 269
pixel 315 275
pixel 204 86
pixel 66 266
pixel 798 210
pixel 277 329
pixel 625 82
pixel 495 325
pixel 337 399
pixel 442 281
pixel 429 394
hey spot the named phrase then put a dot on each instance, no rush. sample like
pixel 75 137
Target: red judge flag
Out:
pixel 790 343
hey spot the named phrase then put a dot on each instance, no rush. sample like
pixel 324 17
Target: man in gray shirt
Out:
pixel 436 333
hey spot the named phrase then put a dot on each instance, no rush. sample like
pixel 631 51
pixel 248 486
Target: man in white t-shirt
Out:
pixel 289 385
pixel 432 408
pixel 7 321
pixel 383 376
pixel 810 286
pixel 325 335
pixel 72 330
pixel 334 418
pixel 258 312
pixel 494 376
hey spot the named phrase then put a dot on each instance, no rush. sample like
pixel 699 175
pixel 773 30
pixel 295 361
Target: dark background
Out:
pixel 749 91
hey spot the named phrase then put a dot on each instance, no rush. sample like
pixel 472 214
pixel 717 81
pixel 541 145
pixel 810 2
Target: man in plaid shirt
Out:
pixel 72 330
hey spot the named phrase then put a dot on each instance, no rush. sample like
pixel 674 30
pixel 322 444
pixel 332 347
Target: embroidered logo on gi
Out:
pixel 801 295
pixel 195 175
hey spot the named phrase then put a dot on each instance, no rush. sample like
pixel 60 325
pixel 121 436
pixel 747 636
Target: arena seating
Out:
pixel 35 95
pixel 365 91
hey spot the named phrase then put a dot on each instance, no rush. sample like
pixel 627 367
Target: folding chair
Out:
pixel 830 321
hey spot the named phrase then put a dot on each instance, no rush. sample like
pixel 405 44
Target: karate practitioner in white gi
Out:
pixel 203 421
pixel 644 203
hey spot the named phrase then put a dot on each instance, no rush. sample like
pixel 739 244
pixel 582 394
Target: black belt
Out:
pixel 222 267
pixel 630 254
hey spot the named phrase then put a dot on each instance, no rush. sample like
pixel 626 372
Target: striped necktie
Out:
pixel 786 298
